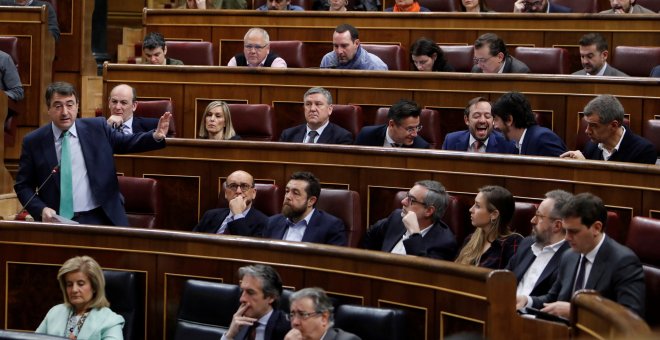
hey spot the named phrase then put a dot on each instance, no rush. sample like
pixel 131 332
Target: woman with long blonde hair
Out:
pixel 216 122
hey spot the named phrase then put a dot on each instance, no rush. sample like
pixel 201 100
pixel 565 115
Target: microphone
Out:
pixel 36 191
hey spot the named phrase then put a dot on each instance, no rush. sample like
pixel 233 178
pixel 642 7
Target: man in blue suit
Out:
pixel 609 139
pixel 318 129
pixel 300 220
pixel 400 131
pixel 93 197
pixel 122 104
pixel 479 137
pixel 417 229
pixel 512 114
pixel 539 6
pixel 595 262
pixel 241 218
pixel 536 262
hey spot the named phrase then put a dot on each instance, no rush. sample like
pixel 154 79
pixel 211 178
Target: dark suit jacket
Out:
pixel 616 274
pixel 144 124
pixel 251 225
pixel 609 71
pixel 375 136
pixel 276 327
pixel 460 140
pixel 633 149
pixel 339 334
pixel 439 242
pixel 322 228
pixel 98 143
pixel 512 65
pixel 332 134
pixel 524 257
pixel 554 8
pixel 541 141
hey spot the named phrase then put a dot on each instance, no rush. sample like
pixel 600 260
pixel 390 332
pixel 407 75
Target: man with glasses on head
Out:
pixel 609 139
pixel 417 228
pixel 256 51
pixel 539 6
pixel 279 5
pixel 401 130
pixel 311 317
pixel 537 259
pixel 593 55
pixel 241 218
pixel 491 56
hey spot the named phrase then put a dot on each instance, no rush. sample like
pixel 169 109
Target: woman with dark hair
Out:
pixel 493 243
pixel 474 6
pixel 427 56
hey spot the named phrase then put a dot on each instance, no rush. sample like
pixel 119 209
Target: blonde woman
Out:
pixel 84 313
pixel 492 244
pixel 216 122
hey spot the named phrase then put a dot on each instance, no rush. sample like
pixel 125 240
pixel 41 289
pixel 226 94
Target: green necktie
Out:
pixel 66 185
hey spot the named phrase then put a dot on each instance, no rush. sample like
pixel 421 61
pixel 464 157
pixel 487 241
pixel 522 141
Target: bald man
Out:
pixel 240 218
pixel 122 103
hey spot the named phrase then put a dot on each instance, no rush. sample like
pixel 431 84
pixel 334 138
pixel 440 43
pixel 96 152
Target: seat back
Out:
pixel 393 56
pixel 653 5
pixel 430 121
pixel 269 199
pixel 306 4
pixel 439 5
pixel 206 309
pixel 504 6
pixel 652 281
pixel 349 117
pixel 545 60
pixel 581 6
pixel 636 61
pixel 651 131
pixel 345 205
pixel 371 323
pixel 291 51
pixel 121 289
pixel 460 57
pixel 155 109
pixel 9 45
pixel 284 302
pixel 142 201
pixel 191 52
pixel 643 238
pixel 522 218
pixel 253 121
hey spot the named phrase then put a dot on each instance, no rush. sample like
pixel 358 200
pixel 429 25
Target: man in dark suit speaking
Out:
pixel 70 161
pixel 300 220
pixel 241 218
pixel 595 262
pixel 318 129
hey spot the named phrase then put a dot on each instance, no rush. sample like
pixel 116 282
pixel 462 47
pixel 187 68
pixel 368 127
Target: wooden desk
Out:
pixel 559 99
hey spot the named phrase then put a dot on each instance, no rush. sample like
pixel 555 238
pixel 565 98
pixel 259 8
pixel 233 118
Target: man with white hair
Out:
pixel 256 51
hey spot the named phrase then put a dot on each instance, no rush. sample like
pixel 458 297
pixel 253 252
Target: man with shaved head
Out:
pixel 122 103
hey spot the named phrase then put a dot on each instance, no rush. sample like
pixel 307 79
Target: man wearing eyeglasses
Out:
pixel 256 51
pixel 311 317
pixel 491 56
pixel 241 218
pixel 536 262
pixel 539 6
pixel 417 228
pixel 401 130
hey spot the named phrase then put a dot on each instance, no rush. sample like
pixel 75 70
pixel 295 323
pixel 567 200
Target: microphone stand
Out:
pixel 19 214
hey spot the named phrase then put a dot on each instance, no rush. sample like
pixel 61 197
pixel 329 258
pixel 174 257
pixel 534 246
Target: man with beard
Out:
pixel 241 218
pixel 512 114
pixel 349 54
pixel 401 130
pixel 627 7
pixel 537 259
pixel 300 220
pixel 257 316
pixel 539 6
pixel 417 229
pixel 593 55
pixel 477 138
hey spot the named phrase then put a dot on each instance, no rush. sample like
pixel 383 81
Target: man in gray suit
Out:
pixel 627 7
pixel 311 317
pixel 595 261
pixel 491 56
pixel 593 55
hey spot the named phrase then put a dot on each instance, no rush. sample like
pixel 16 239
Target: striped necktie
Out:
pixel 66 182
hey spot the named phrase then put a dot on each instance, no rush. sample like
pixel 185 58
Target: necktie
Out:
pixel 475 146
pixel 124 129
pixel 66 182
pixel 252 331
pixel 579 281
pixel 395 145
pixel 311 136
pixel 223 227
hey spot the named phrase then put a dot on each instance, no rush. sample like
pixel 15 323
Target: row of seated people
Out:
pixel 517 6
pixel 488 54
pixel 431 223
pixel 508 126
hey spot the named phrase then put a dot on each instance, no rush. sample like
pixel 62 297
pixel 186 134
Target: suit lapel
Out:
pixel 310 231
pixel 600 265
pixel 217 223
pixel 552 264
pixel 525 262
pixel 463 142
pixel 325 136
pixel 48 143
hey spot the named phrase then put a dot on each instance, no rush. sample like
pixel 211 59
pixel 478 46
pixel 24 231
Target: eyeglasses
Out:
pixel 243 186
pixel 539 216
pixel 412 129
pixel 481 60
pixel 412 200
pixel 255 47
pixel 302 315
